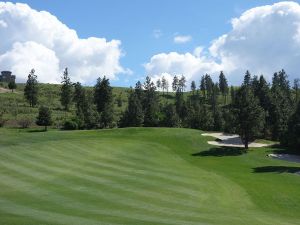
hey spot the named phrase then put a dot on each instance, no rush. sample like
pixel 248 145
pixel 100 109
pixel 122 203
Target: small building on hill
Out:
pixel 6 76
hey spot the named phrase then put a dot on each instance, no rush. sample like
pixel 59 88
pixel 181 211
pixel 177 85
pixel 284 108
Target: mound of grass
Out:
pixel 140 176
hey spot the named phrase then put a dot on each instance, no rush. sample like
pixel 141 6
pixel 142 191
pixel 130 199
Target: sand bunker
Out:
pixel 286 157
pixel 230 140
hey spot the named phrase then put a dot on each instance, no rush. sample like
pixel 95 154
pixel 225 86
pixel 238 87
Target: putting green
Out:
pixel 140 176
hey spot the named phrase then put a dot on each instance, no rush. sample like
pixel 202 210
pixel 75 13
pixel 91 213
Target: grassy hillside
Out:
pixel 16 106
pixel 140 176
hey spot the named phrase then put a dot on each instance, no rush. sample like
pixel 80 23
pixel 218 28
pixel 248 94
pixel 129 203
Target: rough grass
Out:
pixel 140 176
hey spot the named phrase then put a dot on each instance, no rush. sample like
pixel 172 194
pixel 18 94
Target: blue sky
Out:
pixel 134 23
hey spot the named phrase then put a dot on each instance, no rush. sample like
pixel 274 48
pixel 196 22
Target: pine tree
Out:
pixel 208 86
pixel 44 117
pixel 202 86
pixel 103 99
pixel 164 85
pixel 281 104
pixel 134 115
pixel 175 83
pixel 31 89
pixel 232 93
pixel 150 104
pixel 247 79
pixel 248 114
pixel 296 88
pixel 223 85
pixel 158 84
pixel 182 83
pixel 66 91
pixel 292 135
pixel 193 87
pixel 139 90
pixel 171 119
pixel 261 90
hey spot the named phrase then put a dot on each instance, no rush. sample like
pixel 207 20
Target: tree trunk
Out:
pixel 246 142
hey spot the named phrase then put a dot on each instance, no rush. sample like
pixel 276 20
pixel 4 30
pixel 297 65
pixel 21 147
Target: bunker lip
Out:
pixel 231 140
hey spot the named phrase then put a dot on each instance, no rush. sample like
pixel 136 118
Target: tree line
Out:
pixel 256 109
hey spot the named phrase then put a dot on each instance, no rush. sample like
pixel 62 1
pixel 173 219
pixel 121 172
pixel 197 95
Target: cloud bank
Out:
pixel 37 39
pixel 263 39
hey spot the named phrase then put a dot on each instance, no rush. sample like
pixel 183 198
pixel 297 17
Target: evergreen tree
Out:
pixel 217 115
pixel 200 117
pixel 208 86
pixel 202 86
pixel 66 90
pixel 262 92
pixel 296 88
pixel 158 84
pixel 103 99
pixel 44 117
pixel 150 104
pixel 281 104
pixel 193 87
pixel 248 114
pixel 247 79
pixel 171 118
pixel 232 93
pixel 139 90
pixel 133 116
pixel 292 135
pixel 175 83
pixel 182 84
pixel 180 105
pixel 164 85
pixel 223 85
pixel 31 89
pixel 12 85
pixel 91 116
pixel 254 83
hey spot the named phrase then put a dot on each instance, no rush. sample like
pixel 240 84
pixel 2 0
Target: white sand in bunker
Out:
pixel 230 140
pixel 286 157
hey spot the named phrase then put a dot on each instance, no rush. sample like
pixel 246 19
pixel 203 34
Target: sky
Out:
pixel 127 40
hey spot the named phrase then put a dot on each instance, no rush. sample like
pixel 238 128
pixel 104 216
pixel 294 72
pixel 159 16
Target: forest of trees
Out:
pixel 256 109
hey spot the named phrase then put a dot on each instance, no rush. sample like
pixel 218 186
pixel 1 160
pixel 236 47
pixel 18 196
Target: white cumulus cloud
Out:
pixel 263 39
pixel 181 39
pixel 37 39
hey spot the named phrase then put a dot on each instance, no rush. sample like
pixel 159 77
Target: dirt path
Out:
pixel 230 140
pixel 4 90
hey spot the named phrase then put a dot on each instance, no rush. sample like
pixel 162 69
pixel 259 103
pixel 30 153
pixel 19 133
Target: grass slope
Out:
pixel 140 176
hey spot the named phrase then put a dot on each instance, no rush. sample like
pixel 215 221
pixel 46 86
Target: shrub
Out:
pixel 3 120
pixel 24 122
pixel 70 125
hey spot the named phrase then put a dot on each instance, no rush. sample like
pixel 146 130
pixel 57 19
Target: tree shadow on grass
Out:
pixel 276 169
pixel 36 131
pixel 278 149
pixel 221 151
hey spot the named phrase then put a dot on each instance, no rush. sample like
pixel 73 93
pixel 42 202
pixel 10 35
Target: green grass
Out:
pixel 140 176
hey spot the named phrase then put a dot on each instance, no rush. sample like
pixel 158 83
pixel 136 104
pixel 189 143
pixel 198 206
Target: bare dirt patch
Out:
pixel 4 90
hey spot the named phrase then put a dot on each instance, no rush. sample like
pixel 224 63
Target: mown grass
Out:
pixel 141 176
